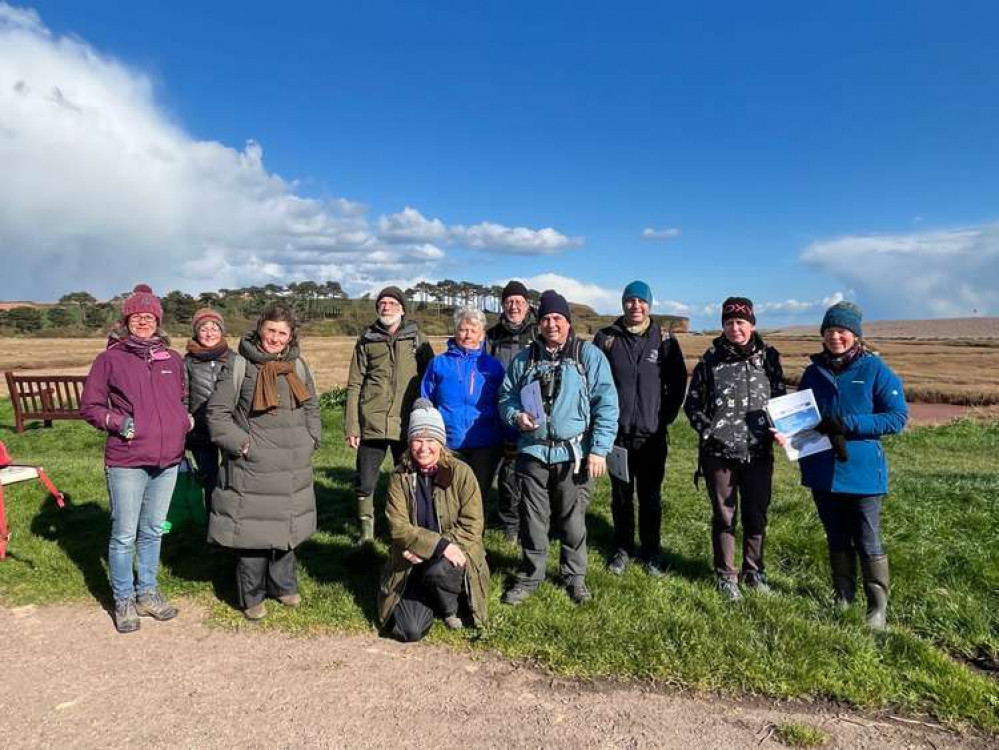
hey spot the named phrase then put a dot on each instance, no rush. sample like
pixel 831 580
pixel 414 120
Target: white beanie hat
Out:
pixel 425 421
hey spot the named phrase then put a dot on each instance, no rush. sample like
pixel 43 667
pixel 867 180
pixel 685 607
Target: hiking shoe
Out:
pixel 757 582
pixel 618 563
pixel 453 622
pixel 729 589
pixel 126 619
pixel 153 604
pixel 654 567
pixel 290 600
pixel 517 594
pixel 256 612
pixel 578 591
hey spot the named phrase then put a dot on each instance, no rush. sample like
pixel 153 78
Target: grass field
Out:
pixel 941 528
pixel 934 371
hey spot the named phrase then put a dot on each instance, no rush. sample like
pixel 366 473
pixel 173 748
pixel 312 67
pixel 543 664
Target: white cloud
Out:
pixel 601 299
pixel 942 273
pixel 102 189
pixel 669 233
pixel 409 225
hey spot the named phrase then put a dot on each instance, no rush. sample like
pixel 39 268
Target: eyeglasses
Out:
pixel 210 327
pixel 142 319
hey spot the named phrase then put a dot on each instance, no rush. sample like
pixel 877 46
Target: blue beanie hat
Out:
pixel 638 289
pixel 844 315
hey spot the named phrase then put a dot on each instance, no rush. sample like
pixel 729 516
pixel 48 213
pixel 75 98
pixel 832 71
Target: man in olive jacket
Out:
pixel 385 372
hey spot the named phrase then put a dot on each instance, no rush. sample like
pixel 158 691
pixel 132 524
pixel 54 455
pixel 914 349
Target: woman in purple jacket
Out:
pixel 135 393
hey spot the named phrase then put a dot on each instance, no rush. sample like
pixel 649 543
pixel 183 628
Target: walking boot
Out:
pixel 367 536
pixel 844 578
pixel 875 570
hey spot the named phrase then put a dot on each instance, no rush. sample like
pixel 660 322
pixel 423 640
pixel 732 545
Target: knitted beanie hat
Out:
pixel 638 289
pixel 142 300
pixel 738 307
pixel 844 315
pixel 426 422
pixel 553 302
pixel 395 293
pixel 207 315
pixel 513 288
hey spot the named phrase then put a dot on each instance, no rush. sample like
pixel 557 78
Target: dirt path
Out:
pixel 68 680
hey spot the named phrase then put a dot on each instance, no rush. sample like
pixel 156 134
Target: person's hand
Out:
pixel 353 441
pixel 779 438
pixel 839 447
pixel 127 429
pixel 454 555
pixel 596 465
pixel 190 422
pixel 525 423
pixel 244 449
pixel 411 558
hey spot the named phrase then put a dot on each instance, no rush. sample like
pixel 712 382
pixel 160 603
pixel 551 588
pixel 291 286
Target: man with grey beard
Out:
pixel 389 360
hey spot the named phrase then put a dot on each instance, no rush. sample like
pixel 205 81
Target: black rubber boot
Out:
pixel 844 578
pixel 876 588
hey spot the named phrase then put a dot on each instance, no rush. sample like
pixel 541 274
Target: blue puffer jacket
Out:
pixel 867 397
pixel 464 386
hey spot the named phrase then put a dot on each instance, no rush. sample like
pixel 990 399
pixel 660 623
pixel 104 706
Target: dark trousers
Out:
pixel 551 494
pixel 265 572
pixel 509 491
pixel 646 469
pixel 852 522
pixel 206 461
pixel 483 462
pixel 433 586
pixel 370 456
pixel 731 484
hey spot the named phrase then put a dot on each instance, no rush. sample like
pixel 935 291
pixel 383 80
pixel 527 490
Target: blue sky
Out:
pixel 796 153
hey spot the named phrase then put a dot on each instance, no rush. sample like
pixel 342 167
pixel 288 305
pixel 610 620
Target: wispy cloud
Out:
pixel 940 273
pixel 409 225
pixel 102 188
pixel 660 235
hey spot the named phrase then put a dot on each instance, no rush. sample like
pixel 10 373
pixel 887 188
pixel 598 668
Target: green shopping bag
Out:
pixel 187 506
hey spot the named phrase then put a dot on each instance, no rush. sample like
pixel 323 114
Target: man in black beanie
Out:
pixel 562 446
pixel 389 360
pixel 514 332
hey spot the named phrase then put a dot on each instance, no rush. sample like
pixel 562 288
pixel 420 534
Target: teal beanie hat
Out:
pixel 844 315
pixel 638 289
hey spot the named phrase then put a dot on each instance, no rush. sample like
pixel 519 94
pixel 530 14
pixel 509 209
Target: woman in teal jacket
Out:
pixel 860 399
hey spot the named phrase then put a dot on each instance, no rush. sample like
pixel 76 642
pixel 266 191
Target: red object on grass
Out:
pixel 6 462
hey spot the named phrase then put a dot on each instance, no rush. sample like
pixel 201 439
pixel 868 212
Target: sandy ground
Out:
pixel 68 680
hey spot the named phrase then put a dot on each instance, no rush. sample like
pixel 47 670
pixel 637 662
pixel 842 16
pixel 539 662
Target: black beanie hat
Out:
pixel 395 293
pixel 512 289
pixel 738 307
pixel 553 302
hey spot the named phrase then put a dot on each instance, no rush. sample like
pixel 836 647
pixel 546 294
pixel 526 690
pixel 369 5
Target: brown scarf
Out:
pixel 265 396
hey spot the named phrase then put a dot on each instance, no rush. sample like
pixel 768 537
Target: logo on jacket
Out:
pixel 653 356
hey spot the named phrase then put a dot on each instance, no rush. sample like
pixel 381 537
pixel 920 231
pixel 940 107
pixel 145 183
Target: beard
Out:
pixel 390 320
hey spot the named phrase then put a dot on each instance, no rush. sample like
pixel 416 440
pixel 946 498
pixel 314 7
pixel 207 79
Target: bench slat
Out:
pixel 44 397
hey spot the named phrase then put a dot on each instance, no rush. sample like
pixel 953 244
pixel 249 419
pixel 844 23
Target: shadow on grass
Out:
pixel 356 568
pixel 82 532
pixel 187 556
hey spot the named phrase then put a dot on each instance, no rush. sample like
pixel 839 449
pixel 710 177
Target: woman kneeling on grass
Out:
pixel 135 392
pixel 434 510
pixel 860 399
pixel 268 427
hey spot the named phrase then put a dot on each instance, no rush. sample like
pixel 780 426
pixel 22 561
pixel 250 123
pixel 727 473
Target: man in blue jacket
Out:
pixel 560 449
pixel 651 380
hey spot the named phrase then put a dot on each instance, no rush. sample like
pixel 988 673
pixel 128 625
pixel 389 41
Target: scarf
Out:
pixel 152 349
pixel 269 366
pixel 837 363
pixel 203 354
pixel 640 328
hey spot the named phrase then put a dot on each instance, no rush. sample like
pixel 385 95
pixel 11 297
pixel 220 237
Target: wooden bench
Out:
pixel 44 397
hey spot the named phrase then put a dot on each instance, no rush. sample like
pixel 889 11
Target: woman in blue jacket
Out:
pixel 463 383
pixel 860 399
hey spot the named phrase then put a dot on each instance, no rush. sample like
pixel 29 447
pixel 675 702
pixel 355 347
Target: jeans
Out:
pixel 140 498
pixel 852 522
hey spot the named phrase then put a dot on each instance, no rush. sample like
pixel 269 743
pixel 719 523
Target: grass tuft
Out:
pixel 797 734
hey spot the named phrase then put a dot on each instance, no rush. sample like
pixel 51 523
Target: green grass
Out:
pixel 801 735
pixel 941 527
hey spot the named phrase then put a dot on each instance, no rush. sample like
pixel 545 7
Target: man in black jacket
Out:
pixel 651 378
pixel 515 330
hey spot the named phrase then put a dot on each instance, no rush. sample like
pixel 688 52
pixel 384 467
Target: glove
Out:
pixel 839 447
pixel 830 426
pixel 127 429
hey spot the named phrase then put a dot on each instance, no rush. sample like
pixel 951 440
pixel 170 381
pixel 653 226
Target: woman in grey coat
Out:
pixel 265 419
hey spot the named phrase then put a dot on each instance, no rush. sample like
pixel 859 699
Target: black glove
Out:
pixel 830 426
pixel 839 447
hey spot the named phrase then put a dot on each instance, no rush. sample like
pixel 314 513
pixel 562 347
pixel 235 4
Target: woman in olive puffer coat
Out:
pixel 264 505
